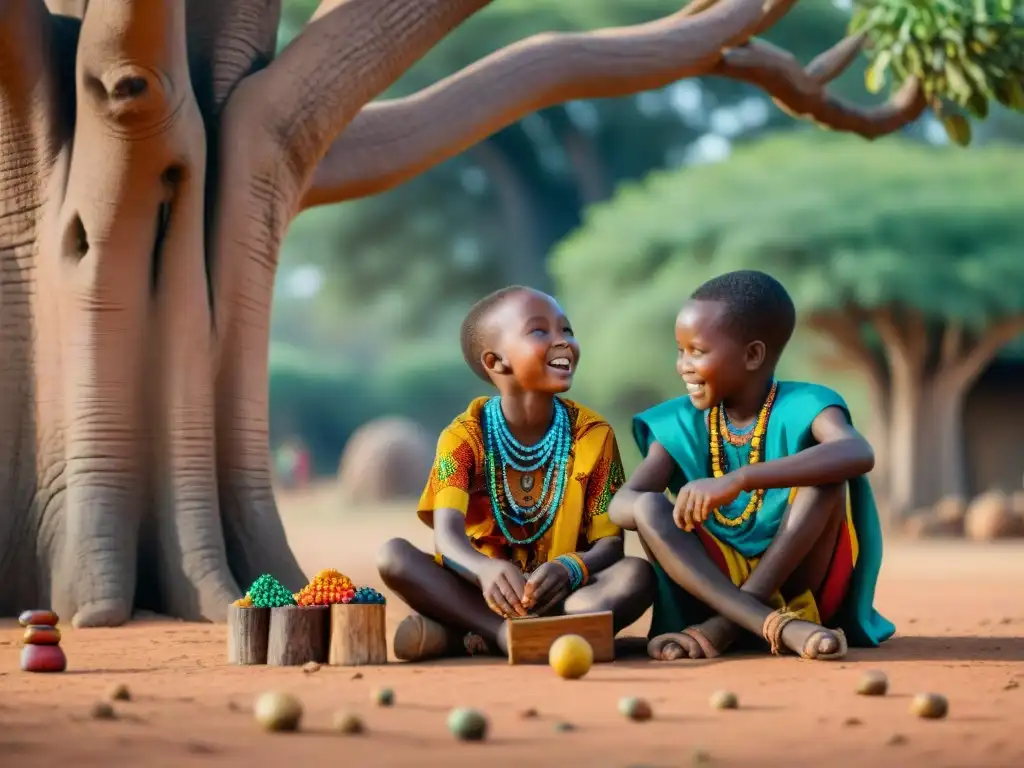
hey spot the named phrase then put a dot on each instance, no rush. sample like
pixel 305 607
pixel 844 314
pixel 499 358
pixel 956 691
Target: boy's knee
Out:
pixel 651 512
pixel 393 558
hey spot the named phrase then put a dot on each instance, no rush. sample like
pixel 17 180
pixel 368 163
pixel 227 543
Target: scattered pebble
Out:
pixel 724 700
pixel 852 721
pixel 278 712
pixel 1012 685
pixel 119 692
pixel 384 697
pixel 234 706
pixel 873 683
pixel 701 757
pixel 896 740
pixel 932 706
pixel 102 710
pixel 529 714
pixel 359 675
pixel 348 723
pixel 467 724
pixel 1006 620
pixel 563 727
pixel 310 667
pixel 635 709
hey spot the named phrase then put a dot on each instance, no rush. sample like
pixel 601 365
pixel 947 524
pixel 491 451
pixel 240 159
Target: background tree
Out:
pixel 153 156
pixel 905 257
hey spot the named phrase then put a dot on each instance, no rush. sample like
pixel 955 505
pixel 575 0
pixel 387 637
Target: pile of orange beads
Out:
pixel 327 587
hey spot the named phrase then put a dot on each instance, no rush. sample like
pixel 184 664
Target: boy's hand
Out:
pixel 546 587
pixel 503 586
pixel 696 500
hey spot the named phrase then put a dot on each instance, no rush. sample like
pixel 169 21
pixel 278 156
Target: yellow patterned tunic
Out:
pixel 458 480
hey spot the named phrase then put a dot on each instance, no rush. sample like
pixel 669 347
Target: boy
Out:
pixel 517 497
pixel 774 529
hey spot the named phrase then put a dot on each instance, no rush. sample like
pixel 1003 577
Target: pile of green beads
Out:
pixel 268 592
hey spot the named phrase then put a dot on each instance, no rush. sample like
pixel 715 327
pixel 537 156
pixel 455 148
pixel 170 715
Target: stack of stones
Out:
pixel 42 651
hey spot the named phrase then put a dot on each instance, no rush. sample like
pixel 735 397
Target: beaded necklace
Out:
pixel 718 459
pixel 504 451
pixel 735 436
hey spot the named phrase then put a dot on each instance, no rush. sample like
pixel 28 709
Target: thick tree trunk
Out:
pixel 110 346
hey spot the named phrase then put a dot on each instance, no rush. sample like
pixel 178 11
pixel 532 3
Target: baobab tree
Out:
pixel 152 154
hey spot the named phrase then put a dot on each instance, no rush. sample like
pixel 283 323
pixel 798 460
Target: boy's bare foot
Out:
pixel 804 638
pixel 418 638
pixel 701 641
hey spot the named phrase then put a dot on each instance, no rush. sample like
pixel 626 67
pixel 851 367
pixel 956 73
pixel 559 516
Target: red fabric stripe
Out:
pixel 837 580
pixel 714 551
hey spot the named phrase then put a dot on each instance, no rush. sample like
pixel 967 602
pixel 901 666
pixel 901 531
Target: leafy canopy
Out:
pixel 965 53
pixel 836 219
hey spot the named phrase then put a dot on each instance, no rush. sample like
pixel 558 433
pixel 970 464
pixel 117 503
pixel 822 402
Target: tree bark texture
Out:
pixel 152 155
pixel 919 377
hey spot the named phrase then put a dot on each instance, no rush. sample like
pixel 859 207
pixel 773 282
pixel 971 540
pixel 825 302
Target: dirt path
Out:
pixel 958 609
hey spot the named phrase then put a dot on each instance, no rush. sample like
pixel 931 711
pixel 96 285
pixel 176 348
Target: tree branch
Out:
pixel 802 93
pixel 987 347
pixel 392 141
pixel 227 41
pixel 350 52
pixel 845 329
pixel 951 343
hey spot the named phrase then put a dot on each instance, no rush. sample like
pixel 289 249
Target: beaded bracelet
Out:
pixel 578 573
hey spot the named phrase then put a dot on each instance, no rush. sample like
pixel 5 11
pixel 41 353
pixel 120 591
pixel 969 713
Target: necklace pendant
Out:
pixel 526 482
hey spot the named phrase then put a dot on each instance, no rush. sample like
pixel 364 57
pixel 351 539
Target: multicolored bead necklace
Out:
pixel 504 451
pixel 718 460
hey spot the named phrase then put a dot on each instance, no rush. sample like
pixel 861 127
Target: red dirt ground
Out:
pixel 958 609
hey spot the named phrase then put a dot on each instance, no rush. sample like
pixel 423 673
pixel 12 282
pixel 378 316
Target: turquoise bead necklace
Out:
pixel 504 451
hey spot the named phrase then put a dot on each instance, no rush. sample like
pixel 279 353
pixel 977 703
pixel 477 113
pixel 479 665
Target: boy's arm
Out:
pixel 840 455
pixel 451 541
pixel 651 477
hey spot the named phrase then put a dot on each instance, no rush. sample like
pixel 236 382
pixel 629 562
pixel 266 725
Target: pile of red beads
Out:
pixel 42 651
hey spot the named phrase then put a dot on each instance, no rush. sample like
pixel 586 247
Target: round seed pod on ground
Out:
pixel 384 697
pixel 467 724
pixel 278 712
pixel 635 708
pixel 724 700
pixel 102 710
pixel 119 692
pixel 348 723
pixel 931 706
pixel 873 683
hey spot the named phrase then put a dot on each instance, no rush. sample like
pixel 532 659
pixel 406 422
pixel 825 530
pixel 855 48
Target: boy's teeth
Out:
pixel 694 387
pixel 560 362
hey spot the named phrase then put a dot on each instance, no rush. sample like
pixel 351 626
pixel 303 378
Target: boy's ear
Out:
pixel 494 365
pixel 756 354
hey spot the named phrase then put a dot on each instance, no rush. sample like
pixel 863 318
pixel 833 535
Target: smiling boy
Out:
pixel 518 496
pixel 774 529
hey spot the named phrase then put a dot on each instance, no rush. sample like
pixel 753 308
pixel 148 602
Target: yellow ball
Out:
pixel 571 656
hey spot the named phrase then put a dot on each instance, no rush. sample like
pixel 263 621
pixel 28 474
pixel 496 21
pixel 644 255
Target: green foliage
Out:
pixel 967 53
pixel 838 220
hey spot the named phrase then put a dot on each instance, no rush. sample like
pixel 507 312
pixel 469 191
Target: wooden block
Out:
pixel 298 634
pixel 358 635
pixel 529 640
pixel 248 635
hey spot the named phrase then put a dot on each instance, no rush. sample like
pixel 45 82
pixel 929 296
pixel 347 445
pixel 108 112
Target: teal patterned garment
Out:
pixel 682 431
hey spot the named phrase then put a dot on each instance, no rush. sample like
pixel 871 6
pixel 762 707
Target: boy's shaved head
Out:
pixel 758 307
pixel 475 336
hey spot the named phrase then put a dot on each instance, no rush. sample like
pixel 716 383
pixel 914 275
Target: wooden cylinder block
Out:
pixel 298 634
pixel 248 635
pixel 358 635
